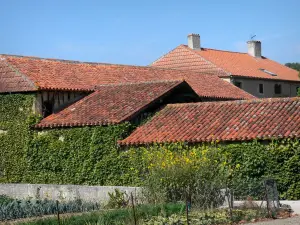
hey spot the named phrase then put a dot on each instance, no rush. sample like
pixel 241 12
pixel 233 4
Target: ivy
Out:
pixel 83 155
pixel 15 119
pixel 90 155
pixel 80 155
pixel 249 164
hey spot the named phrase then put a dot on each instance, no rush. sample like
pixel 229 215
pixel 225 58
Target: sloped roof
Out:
pixel 223 121
pixel 225 63
pixel 110 104
pixel 47 74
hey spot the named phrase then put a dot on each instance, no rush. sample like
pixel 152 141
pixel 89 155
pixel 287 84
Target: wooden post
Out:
pixel 57 207
pixel 133 209
pixel 187 210
pixel 267 199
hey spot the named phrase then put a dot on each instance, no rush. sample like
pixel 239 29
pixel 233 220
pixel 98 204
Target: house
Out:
pixel 58 84
pixel 242 120
pixel 252 72
pixel 88 107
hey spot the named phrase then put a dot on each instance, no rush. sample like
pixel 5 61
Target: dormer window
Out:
pixel 268 72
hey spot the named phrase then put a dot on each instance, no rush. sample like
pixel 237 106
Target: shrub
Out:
pixel 117 199
pixel 179 172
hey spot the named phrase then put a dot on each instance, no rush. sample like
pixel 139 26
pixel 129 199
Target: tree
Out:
pixel 295 66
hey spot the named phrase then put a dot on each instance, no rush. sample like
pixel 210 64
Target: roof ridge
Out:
pixel 142 82
pixel 258 100
pixel 97 63
pixel 214 49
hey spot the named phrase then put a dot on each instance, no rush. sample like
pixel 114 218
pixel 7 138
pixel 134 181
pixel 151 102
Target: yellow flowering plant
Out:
pixel 179 172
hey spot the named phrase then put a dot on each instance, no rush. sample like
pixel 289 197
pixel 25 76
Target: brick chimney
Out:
pixel 254 48
pixel 194 41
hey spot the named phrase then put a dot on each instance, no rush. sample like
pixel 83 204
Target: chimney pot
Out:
pixel 254 48
pixel 194 41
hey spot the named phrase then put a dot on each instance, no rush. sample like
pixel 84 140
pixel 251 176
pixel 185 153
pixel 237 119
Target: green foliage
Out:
pixel 295 66
pixel 82 155
pixel 208 217
pixel 15 119
pixel 90 155
pixel 31 208
pixel 114 217
pixel 246 166
pixel 177 172
pixel 86 218
pixel 117 200
pixel 5 199
pixel 253 162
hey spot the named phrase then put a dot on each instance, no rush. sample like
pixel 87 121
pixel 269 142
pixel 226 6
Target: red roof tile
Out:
pixel 225 63
pixel 110 104
pixel 224 121
pixel 11 80
pixel 70 75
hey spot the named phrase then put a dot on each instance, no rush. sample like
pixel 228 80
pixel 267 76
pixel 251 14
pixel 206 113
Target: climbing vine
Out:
pixel 248 164
pixel 90 155
pixel 82 155
pixel 15 118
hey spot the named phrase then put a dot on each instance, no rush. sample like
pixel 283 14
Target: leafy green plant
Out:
pixel 178 173
pixel 114 217
pixel 5 199
pixel 52 156
pixel 24 208
pixel 117 199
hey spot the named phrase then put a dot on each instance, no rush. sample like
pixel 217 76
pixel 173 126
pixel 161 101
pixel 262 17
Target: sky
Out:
pixel 138 32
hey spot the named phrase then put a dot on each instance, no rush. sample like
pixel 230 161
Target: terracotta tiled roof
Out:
pixel 47 74
pixel 13 81
pixel 110 104
pixel 225 63
pixel 224 121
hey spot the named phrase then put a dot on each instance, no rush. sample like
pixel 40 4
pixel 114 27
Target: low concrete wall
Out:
pixel 63 192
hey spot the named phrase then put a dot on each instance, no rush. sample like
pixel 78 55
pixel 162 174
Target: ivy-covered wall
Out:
pixel 278 159
pixel 15 118
pixel 90 155
pixel 250 164
pixel 83 155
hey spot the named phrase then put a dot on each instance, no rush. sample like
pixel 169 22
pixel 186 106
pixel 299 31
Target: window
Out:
pixel 47 108
pixel 277 88
pixel 261 88
pixel 238 84
pixel 269 72
pixel 298 91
